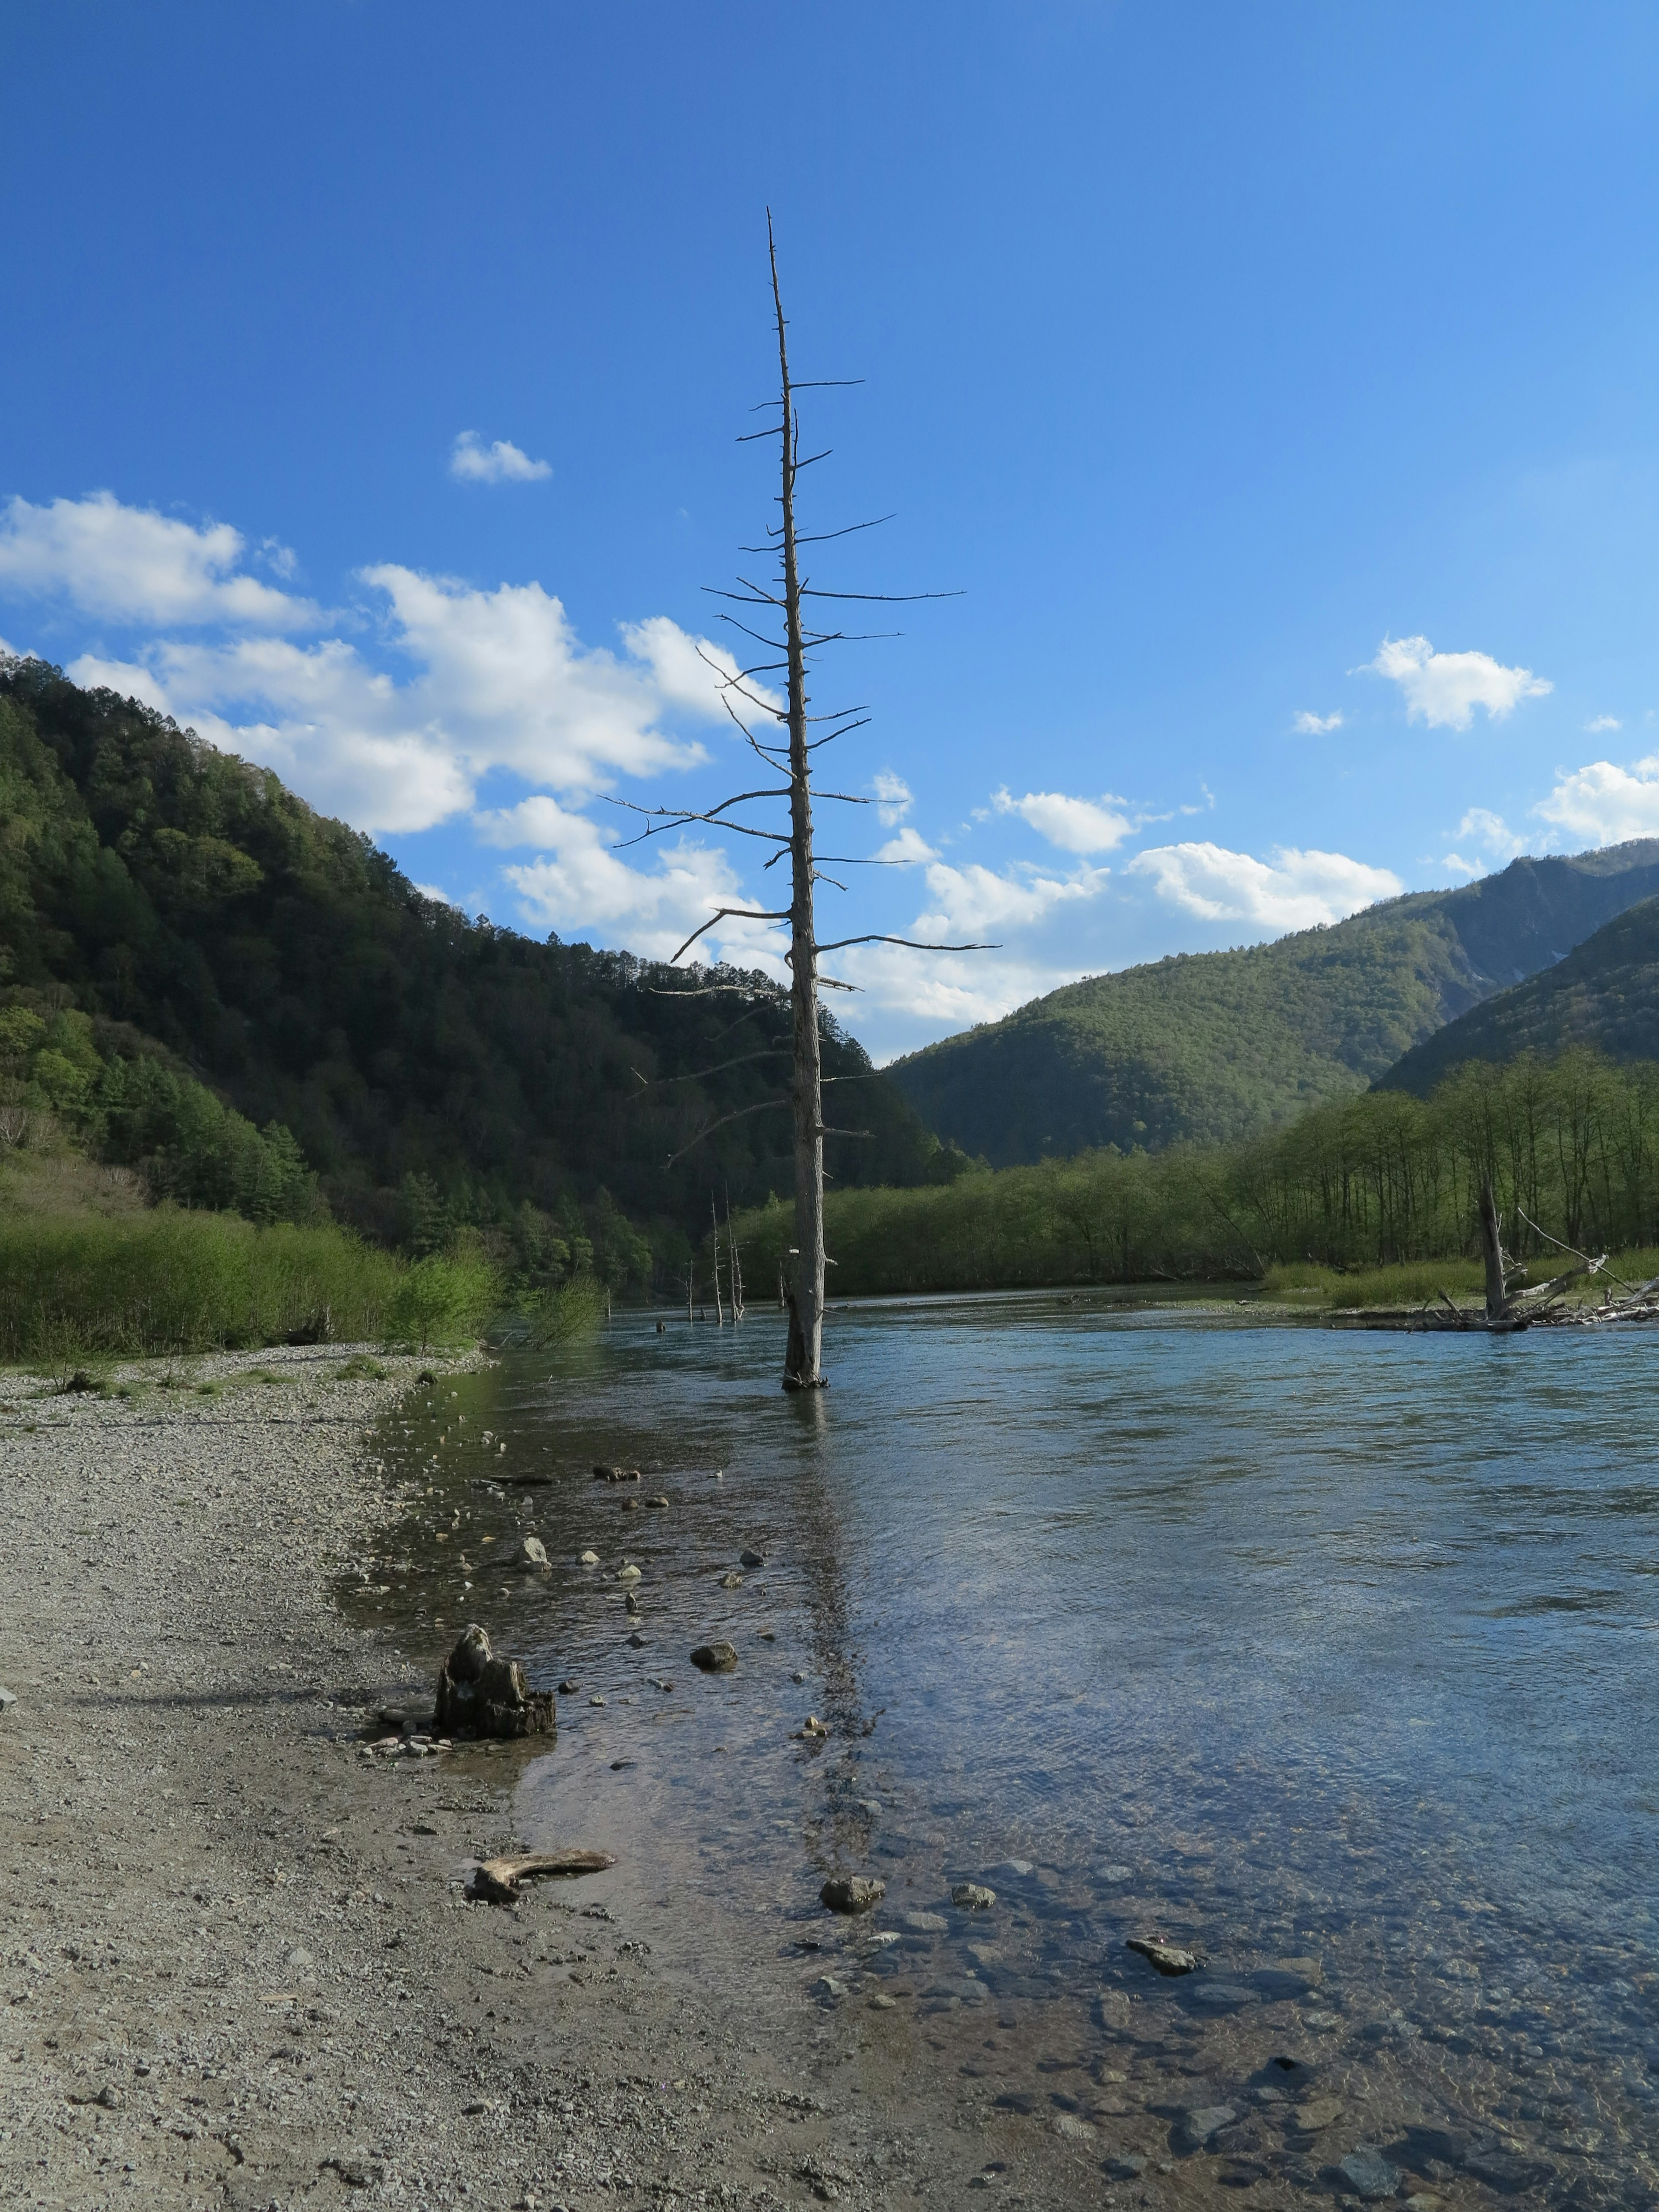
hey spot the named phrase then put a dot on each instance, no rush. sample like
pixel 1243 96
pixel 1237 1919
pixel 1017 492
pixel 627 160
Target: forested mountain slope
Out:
pixel 182 898
pixel 1604 994
pixel 1209 1046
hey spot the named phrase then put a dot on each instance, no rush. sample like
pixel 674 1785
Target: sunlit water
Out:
pixel 1329 1656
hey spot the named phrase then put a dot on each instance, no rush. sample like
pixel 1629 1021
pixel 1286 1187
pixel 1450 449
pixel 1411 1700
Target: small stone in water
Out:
pixel 1074 2130
pixel 798 1676
pixel 569 1688
pixel 1016 1868
pixel 1368 2175
pixel 1114 1873
pixel 924 1923
pixel 973 1897
pixel 658 1502
pixel 733 1581
pixel 714 1658
pixel 826 1986
pixel 596 1700
pixel 636 1641
pixel 853 1892
pixel 532 1552
pixel 628 1574
pixel 881 2004
pixel 1193 2129
pixel 1167 1958
pixel 751 1559
pixel 590 1558
pixel 1317 2114
pixel 1128 2166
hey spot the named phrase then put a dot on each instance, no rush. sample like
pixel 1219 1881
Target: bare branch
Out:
pixel 771 1052
pixel 709 1131
pixel 895 598
pixel 721 914
pixel 912 944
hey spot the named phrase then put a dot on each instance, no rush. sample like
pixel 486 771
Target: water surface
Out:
pixel 1329 1656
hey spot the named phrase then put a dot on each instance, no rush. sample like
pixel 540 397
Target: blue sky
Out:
pixel 1278 385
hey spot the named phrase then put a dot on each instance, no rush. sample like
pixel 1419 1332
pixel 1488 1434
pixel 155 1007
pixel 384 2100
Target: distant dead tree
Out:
pixel 791 755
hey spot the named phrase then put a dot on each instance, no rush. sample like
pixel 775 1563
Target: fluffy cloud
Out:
pixel 967 902
pixel 473 462
pixel 579 881
pixel 1075 825
pixel 129 564
pixel 1295 891
pixel 1443 688
pixel 893 796
pixel 1490 836
pixel 1602 804
pixel 1600 722
pixel 906 849
pixel 1314 725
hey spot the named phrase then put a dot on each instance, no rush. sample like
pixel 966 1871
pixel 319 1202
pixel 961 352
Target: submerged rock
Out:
pixel 590 1558
pixel 482 1695
pixel 1167 1958
pixel 733 1581
pixel 1195 2127
pixel 714 1658
pixel 1370 2175
pixel 853 1892
pixel 973 1897
pixel 628 1574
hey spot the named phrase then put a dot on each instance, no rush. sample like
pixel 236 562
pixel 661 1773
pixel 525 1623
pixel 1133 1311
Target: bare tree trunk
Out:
pixel 736 1265
pixel 714 1221
pixel 801 1369
pixel 1498 1305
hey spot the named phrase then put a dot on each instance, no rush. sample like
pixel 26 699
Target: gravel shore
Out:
pixel 238 1964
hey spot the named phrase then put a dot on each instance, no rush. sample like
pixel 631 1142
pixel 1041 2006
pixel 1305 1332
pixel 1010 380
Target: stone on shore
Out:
pixel 853 1892
pixel 482 1695
pixel 714 1658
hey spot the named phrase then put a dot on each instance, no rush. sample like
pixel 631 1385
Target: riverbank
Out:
pixel 239 1966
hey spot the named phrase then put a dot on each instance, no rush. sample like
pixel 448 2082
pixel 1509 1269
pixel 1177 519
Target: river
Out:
pixel 1328 1657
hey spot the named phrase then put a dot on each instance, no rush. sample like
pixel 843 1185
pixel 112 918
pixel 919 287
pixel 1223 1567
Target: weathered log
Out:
pixel 497 1880
pixel 479 1694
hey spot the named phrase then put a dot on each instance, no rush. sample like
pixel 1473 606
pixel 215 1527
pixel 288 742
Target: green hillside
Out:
pixel 1604 994
pixel 1207 1047
pixel 171 917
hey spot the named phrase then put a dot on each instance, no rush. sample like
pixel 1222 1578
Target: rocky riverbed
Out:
pixel 238 1964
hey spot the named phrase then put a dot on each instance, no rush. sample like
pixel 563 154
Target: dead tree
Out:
pixel 789 753
pixel 1492 1252
pixel 715 1219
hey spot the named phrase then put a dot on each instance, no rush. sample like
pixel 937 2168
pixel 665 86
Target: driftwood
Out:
pixel 497 1880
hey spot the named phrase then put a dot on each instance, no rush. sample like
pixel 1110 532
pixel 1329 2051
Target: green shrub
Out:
pixel 172 1281
pixel 441 1300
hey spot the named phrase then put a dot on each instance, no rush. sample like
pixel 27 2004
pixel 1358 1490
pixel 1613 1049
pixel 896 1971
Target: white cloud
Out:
pixel 473 462
pixel 1604 805
pixel 1314 725
pixel 893 796
pixel 580 881
pixel 1492 838
pixel 967 902
pixel 939 992
pixel 1297 890
pixel 1600 722
pixel 129 564
pixel 1442 688
pixel 1076 825
pixel 908 847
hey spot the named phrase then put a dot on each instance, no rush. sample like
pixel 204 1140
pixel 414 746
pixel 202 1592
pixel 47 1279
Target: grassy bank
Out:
pixel 167 1280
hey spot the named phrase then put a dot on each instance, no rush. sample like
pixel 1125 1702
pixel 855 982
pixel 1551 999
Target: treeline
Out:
pixel 183 898
pixel 1571 1144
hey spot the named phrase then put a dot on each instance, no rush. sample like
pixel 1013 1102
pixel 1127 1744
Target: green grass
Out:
pixel 1413 1283
pixel 171 1281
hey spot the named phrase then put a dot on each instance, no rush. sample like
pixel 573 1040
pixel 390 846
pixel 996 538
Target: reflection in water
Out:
pixel 1331 1658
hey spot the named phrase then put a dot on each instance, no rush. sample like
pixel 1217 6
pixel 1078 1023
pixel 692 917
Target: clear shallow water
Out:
pixel 1331 1656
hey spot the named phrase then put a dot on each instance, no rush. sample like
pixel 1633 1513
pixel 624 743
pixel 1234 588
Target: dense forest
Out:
pixel 1604 994
pixel 250 1003
pixel 1208 1047
pixel 1384 1178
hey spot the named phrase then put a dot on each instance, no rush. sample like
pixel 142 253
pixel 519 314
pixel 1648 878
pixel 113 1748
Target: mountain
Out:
pixel 1210 1045
pixel 1604 993
pixel 178 904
